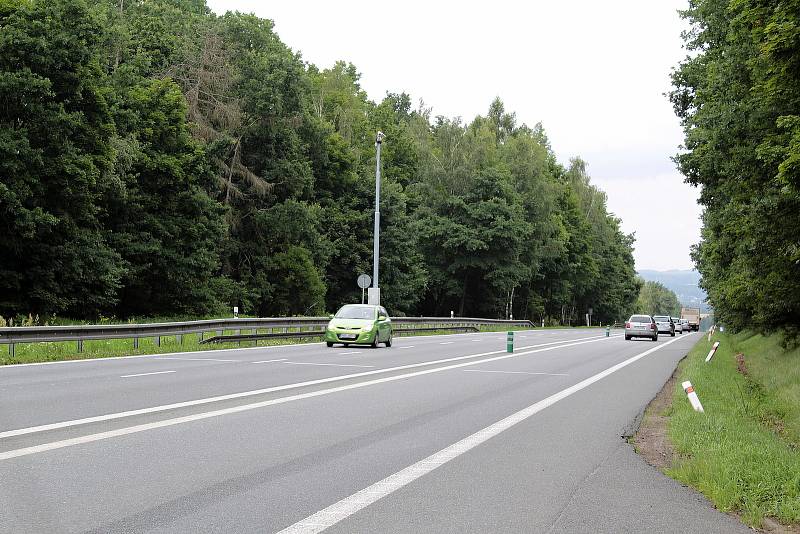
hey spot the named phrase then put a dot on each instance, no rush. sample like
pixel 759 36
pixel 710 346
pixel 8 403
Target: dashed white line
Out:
pixel 446 342
pixel 512 372
pixel 147 374
pixel 271 361
pixel 350 352
pixel 329 364
pixel 408 347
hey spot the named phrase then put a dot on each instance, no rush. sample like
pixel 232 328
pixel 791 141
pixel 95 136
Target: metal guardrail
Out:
pixel 36 334
pixel 319 333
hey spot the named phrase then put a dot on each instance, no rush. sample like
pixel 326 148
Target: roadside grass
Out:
pixel 68 350
pixel 742 453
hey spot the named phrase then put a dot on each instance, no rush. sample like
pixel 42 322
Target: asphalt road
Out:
pixel 436 434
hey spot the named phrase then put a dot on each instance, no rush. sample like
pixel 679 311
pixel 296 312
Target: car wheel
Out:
pixel 627 338
pixel 374 343
pixel 672 334
pixel 329 343
pixel 655 337
pixel 389 341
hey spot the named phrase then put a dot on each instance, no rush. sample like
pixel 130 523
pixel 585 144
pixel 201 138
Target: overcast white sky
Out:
pixel 593 73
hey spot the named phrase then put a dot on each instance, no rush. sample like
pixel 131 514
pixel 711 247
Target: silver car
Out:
pixel 665 325
pixel 678 325
pixel 641 326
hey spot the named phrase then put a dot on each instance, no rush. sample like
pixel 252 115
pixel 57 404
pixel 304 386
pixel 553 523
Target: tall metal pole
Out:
pixel 376 235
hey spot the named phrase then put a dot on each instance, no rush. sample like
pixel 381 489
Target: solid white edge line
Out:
pixel 213 351
pixel 147 374
pixel 89 438
pixel 207 400
pixel 348 506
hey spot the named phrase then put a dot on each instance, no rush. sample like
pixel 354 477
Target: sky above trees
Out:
pixel 593 73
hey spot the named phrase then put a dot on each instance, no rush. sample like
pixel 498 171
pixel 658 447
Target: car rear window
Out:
pixel 639 319
pixel 661 318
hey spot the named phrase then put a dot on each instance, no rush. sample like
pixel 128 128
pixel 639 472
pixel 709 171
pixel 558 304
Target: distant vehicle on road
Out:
pixel 641 326
pixel 678 324
pixel 693 316
pixel 685 325
pixel 665 325
pixel 359 324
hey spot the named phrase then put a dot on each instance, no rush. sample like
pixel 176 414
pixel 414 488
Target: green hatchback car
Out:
pixel 359 324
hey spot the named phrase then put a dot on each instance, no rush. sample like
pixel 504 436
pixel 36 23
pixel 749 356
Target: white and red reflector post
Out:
pixel 712 351
pixel 687 387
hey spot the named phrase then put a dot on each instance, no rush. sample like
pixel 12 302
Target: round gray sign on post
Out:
pixel 364 281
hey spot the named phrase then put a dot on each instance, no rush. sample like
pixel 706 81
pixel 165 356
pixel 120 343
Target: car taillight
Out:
pixel 652 326
pixel 627 325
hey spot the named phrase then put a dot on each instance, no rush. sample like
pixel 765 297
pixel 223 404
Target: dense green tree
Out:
pixel 157 158
pixel 55 158
pixel 655 299
pixel 738 96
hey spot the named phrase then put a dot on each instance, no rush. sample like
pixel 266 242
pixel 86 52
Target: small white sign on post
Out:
pixel 236 312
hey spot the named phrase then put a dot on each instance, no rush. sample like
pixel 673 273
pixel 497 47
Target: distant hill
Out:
pixel 683 283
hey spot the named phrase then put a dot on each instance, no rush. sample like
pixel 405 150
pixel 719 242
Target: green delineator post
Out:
pixel 510 342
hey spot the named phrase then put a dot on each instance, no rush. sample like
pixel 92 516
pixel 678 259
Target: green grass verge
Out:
pixel 743 453
pixel 68 350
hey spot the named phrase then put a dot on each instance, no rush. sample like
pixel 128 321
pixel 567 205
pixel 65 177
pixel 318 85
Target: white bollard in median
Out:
pixel 687 387
pixel 711 331
pixel 712 351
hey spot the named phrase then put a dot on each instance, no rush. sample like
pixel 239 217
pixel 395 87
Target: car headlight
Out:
pixel 366 328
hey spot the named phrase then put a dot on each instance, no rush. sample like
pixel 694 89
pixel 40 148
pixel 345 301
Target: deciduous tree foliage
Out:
pixel 738 95
pixel 656 299
pixel 156 158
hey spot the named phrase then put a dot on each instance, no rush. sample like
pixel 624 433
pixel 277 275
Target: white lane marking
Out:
pixel 348 506
pixel 147 374
pixel 196 402
pixel 512 372
pixel 350 352
pixel 446 342
pixel 408 347
pixel 329 364
pixel 270 361
pixel 197 359
pixel 246 407
pixel 476 340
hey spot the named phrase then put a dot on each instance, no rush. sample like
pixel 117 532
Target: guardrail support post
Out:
pixel 158 341
pixel 80 345
pixel 201 336
pixel 179 339
pixel 135 343
pixel 11 350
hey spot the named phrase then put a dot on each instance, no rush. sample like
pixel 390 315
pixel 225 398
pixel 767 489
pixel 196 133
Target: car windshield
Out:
pixel 661 318
pixel 356 312
pixel 639 319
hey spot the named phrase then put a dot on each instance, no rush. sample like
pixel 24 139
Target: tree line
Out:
pixel 158 159
pixel 738 96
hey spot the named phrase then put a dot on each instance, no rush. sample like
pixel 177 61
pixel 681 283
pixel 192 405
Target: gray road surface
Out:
pixel 258 440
